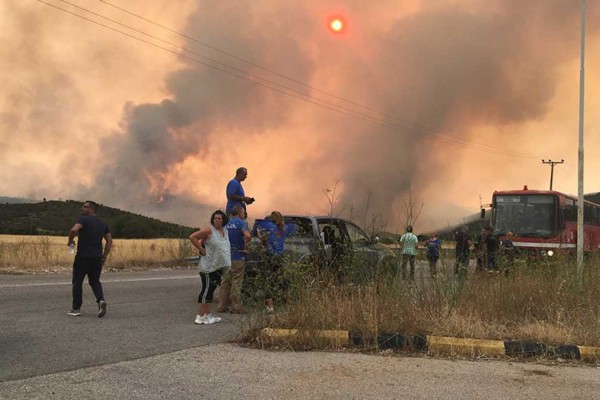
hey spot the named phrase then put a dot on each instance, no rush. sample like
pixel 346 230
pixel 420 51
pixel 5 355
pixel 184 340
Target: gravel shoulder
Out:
pixel 228 371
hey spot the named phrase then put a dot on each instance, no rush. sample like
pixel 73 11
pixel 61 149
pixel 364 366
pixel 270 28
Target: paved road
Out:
pixel 149 313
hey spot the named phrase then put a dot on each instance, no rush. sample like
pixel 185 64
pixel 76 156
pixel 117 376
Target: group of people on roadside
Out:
pixel 487 248
pixel 222 246
pixel 223 249
pixel 410 243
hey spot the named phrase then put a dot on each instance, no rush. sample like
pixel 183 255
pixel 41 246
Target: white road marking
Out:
pixel 102 280
pixel 545 245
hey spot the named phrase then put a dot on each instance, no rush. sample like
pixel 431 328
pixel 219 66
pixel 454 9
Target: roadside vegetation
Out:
pixel 42 254
pixel 541 302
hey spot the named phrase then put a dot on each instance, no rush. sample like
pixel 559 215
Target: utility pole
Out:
pixel 552 164
pixel 580 237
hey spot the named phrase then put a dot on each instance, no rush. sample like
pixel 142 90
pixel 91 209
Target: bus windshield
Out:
pixel 525 215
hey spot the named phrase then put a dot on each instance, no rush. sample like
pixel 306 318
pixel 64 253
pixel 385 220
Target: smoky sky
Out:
pixel 155 133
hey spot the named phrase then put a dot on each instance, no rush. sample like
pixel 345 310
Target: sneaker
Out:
pixel 202 320
pixel 74 313
pixel 212 319
pixel 101 308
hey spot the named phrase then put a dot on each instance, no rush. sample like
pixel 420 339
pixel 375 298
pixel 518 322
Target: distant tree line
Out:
pixel 55 218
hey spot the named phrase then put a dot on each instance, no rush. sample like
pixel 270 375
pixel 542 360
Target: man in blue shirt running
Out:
pixel 235 191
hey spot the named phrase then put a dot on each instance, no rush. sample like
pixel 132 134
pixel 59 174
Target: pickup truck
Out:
pixel 325 240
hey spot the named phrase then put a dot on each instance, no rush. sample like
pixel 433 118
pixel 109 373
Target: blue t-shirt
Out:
pixel 89 243
pixel 433 247
pixel 234 187
pixel 276 239
pixel 235 228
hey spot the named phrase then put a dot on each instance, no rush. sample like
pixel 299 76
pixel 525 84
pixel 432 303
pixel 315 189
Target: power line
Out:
pixel 207 45
pixel 271 71
pixel 282 89
pixel 254 76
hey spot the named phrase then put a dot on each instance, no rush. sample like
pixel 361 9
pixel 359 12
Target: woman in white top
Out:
pixel 214 256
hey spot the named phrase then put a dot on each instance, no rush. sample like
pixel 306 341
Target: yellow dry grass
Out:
pixel 39 254
pixel 534 302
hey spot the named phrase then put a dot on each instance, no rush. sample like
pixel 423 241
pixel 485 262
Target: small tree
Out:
pixel 332 199
pixel 412 208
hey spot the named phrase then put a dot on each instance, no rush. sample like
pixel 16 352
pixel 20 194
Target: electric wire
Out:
pixel 282 89
pixel 291 79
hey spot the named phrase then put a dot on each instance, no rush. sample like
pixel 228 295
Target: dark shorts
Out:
pixel 210 281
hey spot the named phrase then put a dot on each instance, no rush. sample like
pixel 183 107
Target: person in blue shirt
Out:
pixel 433 245
pixel 230 297
pixel 273 237
pixel 90 256
pixel 235 191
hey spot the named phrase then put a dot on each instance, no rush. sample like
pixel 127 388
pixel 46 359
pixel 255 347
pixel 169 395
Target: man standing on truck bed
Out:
pixel 235 191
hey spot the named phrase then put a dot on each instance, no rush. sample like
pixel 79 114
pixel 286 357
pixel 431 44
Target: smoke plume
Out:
pixel 445 100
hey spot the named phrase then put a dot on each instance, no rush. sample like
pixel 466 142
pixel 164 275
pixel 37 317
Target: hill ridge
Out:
pixel 56 217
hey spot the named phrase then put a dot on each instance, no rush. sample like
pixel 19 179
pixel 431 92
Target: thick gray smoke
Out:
pixel 440 70
pixel 448 69
pixel 480 71
pixel 156 137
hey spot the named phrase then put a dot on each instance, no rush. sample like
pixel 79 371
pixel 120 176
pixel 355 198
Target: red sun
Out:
pixel 336 25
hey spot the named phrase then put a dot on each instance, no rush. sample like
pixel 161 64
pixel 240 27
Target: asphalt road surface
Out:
pixel 149 313
pixel 147 347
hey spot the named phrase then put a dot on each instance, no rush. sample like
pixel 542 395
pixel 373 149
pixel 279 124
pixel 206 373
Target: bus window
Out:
pixel 589 214
pixel 526 215
pixel 570 211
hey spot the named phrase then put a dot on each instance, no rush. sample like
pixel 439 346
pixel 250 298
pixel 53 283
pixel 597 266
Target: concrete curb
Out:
pixel 441 344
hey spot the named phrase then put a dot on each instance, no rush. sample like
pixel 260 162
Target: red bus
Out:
pixel 544 221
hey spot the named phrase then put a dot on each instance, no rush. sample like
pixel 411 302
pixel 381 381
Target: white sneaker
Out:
pixel 201 320
pixel 206 319
pixel 212 319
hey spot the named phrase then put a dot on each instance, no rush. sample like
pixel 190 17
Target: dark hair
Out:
pixel 240 170
pixel 93 204
pixel 219 212
pixel 409 228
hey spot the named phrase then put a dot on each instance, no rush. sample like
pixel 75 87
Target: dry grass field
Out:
pixel 43 254
pixel 540 303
